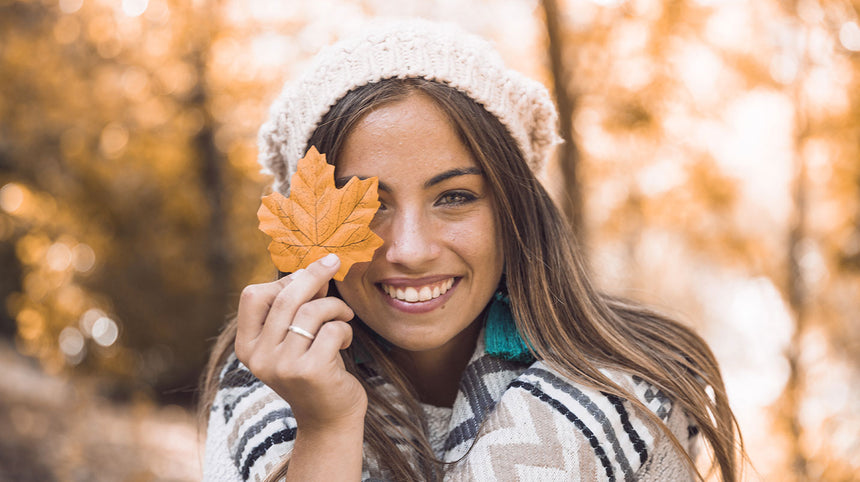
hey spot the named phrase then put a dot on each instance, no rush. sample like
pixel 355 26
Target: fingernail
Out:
pixel 330 260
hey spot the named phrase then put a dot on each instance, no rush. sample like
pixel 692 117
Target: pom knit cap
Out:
pixel 403 49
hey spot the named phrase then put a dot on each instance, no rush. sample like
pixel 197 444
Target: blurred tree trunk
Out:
pixel 797 294
pixel 211 169
pixel 795 286
pixel 211 164
pixel 849 253
pixel 566 102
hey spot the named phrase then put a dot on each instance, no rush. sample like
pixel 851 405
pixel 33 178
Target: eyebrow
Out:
pixel 453 173
pixel 341 181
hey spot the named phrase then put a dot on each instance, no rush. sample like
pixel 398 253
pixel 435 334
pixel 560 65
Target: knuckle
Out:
pixel 337 329
pixel 249 294
pixel 296 274
pixel 307 310
pixel 331 328
pixel 348 312
pixel 285 299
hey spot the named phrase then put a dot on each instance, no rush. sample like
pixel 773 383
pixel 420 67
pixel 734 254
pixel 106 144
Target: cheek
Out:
pixel 478 244
pixel 351 286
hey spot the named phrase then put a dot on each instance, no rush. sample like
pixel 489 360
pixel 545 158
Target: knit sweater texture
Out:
pixel 510 421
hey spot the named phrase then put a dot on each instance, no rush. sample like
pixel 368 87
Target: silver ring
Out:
pixel 301 331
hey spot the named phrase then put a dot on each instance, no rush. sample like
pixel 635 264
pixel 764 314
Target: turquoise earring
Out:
pixel 501 337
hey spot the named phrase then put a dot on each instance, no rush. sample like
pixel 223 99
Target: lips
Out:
pixel 418 293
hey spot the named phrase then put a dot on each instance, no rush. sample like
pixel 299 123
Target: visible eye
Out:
pixel 455 198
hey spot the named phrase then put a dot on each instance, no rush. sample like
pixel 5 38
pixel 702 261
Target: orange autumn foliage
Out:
pixel 318 218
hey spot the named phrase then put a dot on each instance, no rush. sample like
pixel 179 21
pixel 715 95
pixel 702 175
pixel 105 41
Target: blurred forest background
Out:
pixel 712 168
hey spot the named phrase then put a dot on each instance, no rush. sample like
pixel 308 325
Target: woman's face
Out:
pixel 441 260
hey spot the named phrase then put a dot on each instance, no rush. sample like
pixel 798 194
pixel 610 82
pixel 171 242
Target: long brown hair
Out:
pixel 568 323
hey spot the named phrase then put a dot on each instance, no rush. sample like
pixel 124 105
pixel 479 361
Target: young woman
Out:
pixel 473 346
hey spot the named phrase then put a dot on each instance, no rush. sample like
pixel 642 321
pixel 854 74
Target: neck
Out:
pixel 436 373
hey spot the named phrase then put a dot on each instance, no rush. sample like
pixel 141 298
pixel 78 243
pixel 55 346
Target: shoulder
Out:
pixel 548 426
pixel 249 424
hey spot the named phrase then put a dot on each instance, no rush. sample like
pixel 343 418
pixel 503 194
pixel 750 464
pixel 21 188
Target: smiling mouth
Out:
pixel 416 294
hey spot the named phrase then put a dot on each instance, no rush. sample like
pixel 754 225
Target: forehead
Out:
pixel 408 138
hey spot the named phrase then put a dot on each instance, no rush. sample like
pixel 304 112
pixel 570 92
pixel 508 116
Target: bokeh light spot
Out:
pixel 11 197
pixel 113 139
pixel 83 258
pixel 135 83
pixel 71 6
pixel 72 344
pixel 158 11
pixel 134 8
pixel 105 331
pixel 31 324
pixel 59 257
pixel 849 36
pixel 88 319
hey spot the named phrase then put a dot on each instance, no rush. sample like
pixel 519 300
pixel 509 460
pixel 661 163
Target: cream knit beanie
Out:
pixel 407 49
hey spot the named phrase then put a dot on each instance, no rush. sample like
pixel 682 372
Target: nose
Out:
pixel 411 241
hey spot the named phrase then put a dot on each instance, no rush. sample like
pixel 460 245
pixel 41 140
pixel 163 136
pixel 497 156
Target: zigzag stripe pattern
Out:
pixel 654 399
pixel 286 435
pixel 255 429
pixel 482 384
pixel 520 440
pixel 509 420
pixel 259 424
pixel 614 423
pixel 599 421
pixel 638 443
pixel 577 422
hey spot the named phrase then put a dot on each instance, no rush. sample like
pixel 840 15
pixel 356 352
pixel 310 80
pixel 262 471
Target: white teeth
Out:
pixel 411 294
pixel 414 294
pixel 425 294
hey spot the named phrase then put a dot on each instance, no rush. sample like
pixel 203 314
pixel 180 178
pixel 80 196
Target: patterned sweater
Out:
pixel 510 421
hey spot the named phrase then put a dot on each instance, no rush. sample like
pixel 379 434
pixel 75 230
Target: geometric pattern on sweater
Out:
pixel 652 397
pixel 616 436
pixel 545 430
pixel 484 381
pixel 508 418
pixel 256 425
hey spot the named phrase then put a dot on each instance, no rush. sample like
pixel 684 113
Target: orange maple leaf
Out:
pixel 318 218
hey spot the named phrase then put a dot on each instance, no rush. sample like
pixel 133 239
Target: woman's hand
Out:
pixel 308 373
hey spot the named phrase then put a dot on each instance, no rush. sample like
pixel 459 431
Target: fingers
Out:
pixel 312 317
pixel 304 286
pixel 323 358
pixel 267 310
pixel 254 305
pixel 332 337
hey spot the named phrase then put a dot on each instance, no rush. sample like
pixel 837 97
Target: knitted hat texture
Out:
pixel 407 49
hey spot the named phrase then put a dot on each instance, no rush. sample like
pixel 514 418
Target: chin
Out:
pixel 415 340
pixel 428 339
